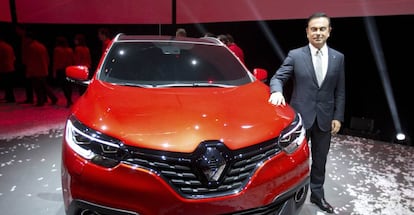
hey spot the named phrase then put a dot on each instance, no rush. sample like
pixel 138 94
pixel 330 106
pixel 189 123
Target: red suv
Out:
pixel 180 126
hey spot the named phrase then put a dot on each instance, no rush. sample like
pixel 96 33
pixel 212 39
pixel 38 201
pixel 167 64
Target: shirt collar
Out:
pixel 324 49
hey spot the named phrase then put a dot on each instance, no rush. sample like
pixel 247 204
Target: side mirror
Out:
pixel 78 74
pixel 260 74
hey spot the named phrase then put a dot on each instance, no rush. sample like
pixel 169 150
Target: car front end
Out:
pixel 179 148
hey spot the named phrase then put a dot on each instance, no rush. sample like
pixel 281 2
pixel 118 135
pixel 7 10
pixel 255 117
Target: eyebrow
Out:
pixel 320 28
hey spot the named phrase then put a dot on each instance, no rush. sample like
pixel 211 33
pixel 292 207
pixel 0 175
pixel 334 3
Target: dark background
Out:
pixel 365 76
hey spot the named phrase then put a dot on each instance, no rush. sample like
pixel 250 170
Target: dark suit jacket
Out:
pixel 324 103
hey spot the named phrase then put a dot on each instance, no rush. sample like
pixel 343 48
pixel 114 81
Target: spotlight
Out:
pixel 401 138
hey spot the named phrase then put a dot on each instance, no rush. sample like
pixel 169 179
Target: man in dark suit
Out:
pixel 320 101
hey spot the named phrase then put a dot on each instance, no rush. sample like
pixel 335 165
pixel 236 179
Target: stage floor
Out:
pixel 363 176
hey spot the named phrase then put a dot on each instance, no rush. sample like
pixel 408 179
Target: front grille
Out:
pixel 212 170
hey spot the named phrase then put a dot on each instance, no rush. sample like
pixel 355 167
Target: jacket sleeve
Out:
pixel 283 74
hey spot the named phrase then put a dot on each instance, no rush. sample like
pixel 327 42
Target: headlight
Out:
pixel 93 145
pixel 292 136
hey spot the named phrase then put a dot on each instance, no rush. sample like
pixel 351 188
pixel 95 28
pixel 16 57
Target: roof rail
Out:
pixel 118 35
pixel 213 39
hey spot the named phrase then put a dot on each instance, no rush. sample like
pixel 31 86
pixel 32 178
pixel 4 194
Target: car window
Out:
pixel 166 64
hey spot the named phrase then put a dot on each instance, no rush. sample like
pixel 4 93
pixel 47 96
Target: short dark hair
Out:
pixel 223 38
pixel 230 38
pixel 319 15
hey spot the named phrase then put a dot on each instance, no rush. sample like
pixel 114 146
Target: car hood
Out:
pixel 178 119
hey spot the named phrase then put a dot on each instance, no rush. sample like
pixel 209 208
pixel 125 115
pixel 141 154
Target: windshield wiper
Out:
pixel 211 85
pixel 136 85
pixel 194 85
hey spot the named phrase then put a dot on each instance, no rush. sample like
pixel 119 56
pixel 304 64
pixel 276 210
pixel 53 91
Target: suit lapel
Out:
pixel 307 57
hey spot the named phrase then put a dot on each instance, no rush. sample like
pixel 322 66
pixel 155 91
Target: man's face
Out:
pixel 318 31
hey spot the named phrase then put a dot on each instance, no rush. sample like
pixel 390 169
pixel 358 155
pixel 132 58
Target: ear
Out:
pixel 329 32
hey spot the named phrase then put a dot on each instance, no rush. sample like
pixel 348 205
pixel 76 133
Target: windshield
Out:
pixel 172 64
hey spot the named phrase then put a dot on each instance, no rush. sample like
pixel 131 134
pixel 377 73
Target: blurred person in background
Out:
pixel 181 32
pixel 36 59
pixel 20 66
pixel 7 69
pixel 105 37
pixel 235 48
pixel 232 46
pixel 62 58
pixel 82 56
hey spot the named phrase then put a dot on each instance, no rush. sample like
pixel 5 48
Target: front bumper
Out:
pixel 289 203
pixel 274 187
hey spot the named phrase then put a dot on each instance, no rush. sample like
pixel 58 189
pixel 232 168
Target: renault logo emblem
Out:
pixel 212 164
